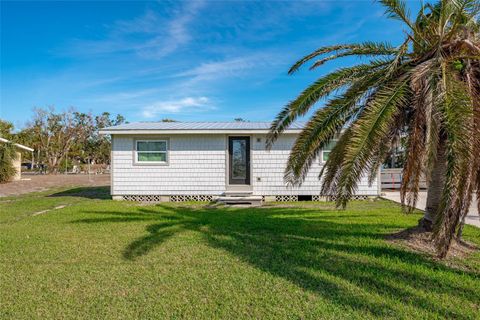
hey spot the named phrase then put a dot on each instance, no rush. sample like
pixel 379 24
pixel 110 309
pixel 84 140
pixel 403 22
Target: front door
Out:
pixel 239 160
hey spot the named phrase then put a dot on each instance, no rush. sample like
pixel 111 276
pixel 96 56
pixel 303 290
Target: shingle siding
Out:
pixel 197 166
pixel 269 166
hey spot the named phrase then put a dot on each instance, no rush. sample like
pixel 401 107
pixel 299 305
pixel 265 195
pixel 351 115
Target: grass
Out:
pixel 98 259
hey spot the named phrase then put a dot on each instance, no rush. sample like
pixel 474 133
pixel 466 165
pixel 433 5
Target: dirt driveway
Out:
pixel 31 183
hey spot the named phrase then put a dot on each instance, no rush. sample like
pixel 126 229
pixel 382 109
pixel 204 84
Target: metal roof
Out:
pixel 196 126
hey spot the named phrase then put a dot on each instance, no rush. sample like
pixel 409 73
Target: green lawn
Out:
pixel 98 259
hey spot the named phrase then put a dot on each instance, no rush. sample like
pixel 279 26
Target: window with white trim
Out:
pixel 151 151
pixel 327 149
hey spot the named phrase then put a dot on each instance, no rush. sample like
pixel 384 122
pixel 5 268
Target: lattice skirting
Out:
pixel 315 198
pixel 209 198
pixel 203 198
pixel 175 198
pixel 359 197
pixel 286 198
pixel 333 198
pixel 143 198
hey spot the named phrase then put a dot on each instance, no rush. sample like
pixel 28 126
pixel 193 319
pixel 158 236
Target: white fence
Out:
pixel 392 179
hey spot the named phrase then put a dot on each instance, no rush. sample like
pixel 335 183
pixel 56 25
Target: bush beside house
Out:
pixel 8 155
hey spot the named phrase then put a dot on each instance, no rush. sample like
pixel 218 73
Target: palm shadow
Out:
pixel 343 261
pixel 98 193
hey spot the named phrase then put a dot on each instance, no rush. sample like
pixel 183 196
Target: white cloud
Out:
pixel 159 36
pixel 195 104
pixel 177 33
pixel 212 72
pixel 221 69
pixel 124 96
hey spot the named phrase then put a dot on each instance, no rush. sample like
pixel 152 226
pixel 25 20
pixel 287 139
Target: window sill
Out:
pixel 160 164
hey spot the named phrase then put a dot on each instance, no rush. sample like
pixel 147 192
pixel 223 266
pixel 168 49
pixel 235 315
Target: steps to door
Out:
pixel 237 193
pixel 240 198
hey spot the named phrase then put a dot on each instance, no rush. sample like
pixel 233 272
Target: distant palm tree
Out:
pixel 427 87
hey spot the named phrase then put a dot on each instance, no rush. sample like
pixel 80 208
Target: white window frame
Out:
pixel 135 156
pixel 323 160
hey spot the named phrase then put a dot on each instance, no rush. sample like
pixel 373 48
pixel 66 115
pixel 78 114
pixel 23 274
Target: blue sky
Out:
pixel 190 61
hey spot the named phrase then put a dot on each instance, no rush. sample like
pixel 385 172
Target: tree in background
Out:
pixel 6 129
pixel 63 138
pixel 55 134
pixel 84 128
pixel 429 84
pixel 97 147
pixel 28 138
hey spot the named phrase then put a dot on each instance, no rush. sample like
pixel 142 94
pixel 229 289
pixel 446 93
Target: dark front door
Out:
pixel 239 160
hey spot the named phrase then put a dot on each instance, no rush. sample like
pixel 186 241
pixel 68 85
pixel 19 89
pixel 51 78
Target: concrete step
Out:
pixel 241 200
pixel 237 193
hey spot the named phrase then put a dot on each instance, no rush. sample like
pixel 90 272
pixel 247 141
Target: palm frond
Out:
pixel 397 9
pixel 433 122
pixel 472 78
pixel 331 170
pixel 372 47
pixel 458 125
pixel 318 132
pixel 325 123
pixel 372 126
pixel 399 57
pixel 364 50
pixel 413 167
pixel 318 90
pixel 421 131
pixel 385 146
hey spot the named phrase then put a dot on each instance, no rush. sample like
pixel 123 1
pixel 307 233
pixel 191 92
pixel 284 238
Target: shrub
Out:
pixel 8 154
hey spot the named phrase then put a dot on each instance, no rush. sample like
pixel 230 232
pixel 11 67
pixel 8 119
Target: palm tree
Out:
pixel 427 87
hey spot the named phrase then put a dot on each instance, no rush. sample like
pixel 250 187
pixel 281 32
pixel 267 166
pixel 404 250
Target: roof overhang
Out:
pixel 19 146
pixel 200 132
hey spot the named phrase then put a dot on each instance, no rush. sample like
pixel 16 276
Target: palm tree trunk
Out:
pixel 435 189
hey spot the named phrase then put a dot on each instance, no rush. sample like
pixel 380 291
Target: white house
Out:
pixel 181 161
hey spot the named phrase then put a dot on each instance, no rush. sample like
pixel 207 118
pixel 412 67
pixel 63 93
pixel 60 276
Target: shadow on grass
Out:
pixel 100 193
pixel 345 261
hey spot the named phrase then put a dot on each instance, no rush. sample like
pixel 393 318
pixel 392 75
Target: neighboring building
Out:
pixel 178 161
pixel 17 164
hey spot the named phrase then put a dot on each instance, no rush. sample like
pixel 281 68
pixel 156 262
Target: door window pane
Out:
pixel 239 159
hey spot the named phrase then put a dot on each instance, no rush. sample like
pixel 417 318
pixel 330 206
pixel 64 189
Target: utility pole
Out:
pixel 89 177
